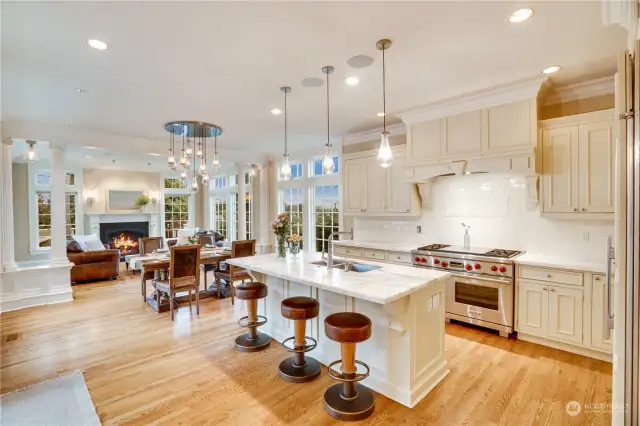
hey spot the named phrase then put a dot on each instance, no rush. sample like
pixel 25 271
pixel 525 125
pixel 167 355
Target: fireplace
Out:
pixel 124 235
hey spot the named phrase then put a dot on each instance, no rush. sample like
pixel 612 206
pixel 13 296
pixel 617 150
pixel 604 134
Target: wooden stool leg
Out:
pixel 252 312
pixel 299 327
pixel 252 341
pixel 348 368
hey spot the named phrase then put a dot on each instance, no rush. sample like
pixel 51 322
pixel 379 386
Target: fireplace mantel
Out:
pixel 93 221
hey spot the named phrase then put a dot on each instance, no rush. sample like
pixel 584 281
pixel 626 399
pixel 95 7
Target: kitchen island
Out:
pixel 406 306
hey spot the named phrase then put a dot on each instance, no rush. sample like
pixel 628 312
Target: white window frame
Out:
pixel 229 194
pixel 175 191
pixel 35 188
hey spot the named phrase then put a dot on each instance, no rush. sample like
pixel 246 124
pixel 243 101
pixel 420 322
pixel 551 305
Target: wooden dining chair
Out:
pixel 147 245
pixel 184 276
pixel 230 273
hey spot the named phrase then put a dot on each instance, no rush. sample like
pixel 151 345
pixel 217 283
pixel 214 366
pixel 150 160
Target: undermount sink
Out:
pixel 347 266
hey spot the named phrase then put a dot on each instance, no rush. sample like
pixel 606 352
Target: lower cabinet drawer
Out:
pixel 551 275
pixel 373 254
pixel 348 251
pixel 399 257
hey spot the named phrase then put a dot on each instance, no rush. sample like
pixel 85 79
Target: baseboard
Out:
pixel 590 353
pixel 27 301
pixel 35 286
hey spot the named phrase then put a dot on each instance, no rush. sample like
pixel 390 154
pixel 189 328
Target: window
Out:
pixel 327 217
pixel 317 167
pixel 249 213
pixel 235 214
pixel 176 214
pixel 219 182
pixel 44 217
pixel 292 199
pixel 219 209
pixel 174 183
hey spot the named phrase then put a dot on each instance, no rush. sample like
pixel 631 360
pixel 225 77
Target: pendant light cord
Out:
pixel 384 94
pixel 215 143
pixel 285 123
pixel 328 110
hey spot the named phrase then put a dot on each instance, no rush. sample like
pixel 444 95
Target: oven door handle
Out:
pixel 468 279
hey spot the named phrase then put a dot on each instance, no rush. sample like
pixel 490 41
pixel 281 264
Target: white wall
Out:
pixel 97 182
pixel 495 207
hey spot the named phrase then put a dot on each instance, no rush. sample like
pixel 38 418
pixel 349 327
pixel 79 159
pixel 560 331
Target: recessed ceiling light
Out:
pixel 92 147
pixel 155 154
pixel 87 156
pixel 360 61
pixel 380 114
pixel 312 82
pixel 550 70
pixel 520 15
pixel 352 81
pixel 68 121
pixel 97 44
pixel 80 90
pixel 276 111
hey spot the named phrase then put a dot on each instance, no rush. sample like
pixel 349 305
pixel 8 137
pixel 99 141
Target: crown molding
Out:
pixel 373 134
pixel 582 90
pixel 486 98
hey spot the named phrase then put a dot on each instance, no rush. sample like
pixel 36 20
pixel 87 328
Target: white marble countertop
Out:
pixel 385 285
pixel 548 261
pixel 377 245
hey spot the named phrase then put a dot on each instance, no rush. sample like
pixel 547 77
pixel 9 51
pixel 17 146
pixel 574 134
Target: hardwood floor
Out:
pixel 142 369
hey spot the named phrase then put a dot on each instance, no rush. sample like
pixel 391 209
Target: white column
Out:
pixel 58 209
pixel 7 247
pixel 242 206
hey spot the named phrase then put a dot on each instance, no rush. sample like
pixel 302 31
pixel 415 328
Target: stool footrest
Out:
pixel 340 376
pixel 305 348
pixel 247 323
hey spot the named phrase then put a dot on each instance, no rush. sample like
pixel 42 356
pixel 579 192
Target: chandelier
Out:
pixel 194 136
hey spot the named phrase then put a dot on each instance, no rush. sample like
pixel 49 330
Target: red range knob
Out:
pixel 494 268
pixel 477 266
pixel 503 269
pixel 417 259
pixel 423 260
pixel 444 264
pixel 436 261
pixel 468 267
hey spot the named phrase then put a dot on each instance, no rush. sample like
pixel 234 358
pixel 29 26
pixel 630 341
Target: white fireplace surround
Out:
pixel 93 221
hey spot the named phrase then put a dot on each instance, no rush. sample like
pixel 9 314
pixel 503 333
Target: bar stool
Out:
pixel 252 341
pixel 349 400
pixel 298 368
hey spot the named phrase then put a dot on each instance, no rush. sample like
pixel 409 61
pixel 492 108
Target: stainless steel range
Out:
pixel 482 289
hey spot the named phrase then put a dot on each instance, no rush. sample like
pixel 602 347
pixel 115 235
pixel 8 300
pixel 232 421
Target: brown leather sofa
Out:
pixel 92 265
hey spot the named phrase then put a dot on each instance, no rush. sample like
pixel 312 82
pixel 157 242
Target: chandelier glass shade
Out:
pixel 285 169
pixel 385 155
pixel 327 163
pixel 192 133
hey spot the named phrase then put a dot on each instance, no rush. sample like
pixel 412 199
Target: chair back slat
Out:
pixel 206 239
pixel 147 245
pixel 185 263
pixel 243 248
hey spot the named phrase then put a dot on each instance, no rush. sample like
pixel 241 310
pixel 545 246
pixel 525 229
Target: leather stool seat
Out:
pixel 251 290
pixel 300 307
pixel 347 327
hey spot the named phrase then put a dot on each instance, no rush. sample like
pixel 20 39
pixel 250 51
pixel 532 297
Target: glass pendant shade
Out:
pixel 216 162
pixel 203 168
pixel 171 160
pixel 199 154
pixel 183 162
pixel 285 169
pixel 183 175
pixel 31 154
pixel 188 152
pixel 385 156
pixel 194 185
pixel 327 163
pixel 205 179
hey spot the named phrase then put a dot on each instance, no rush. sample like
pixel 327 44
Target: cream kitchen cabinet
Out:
pixel 377 191
pixel 511 127
pixel 578 155
pixel 598 313
pixel 533 307
pixel 463 135
pixel 424 141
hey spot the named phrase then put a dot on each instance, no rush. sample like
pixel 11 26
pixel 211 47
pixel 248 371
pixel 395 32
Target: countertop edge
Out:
pixel 568 265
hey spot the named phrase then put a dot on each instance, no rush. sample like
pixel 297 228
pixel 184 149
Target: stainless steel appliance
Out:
pixel 482 289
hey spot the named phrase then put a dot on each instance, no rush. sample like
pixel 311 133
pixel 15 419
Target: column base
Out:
pixel 358 408
pixel 245 344
pixel 290 372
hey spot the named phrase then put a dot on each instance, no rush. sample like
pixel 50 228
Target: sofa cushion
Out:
pixel 88 257
pixel 73 247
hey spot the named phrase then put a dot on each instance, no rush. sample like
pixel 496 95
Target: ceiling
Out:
pixel 224 63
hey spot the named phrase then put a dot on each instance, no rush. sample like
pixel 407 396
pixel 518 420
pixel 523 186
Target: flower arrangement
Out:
pixel 281 227
pixel 142 200
pixel 194 239
pixel 294 241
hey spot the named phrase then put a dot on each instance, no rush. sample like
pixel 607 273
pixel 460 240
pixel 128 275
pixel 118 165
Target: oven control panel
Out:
pixel 479 267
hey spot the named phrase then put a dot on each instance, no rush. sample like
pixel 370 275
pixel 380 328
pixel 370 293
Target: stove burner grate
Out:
pixel 502 253
pixel 434 247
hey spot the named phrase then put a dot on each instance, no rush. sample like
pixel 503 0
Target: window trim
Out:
pixel 228 193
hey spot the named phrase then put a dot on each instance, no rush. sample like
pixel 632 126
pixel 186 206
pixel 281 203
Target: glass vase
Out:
pixel 294 249
pixel 280 248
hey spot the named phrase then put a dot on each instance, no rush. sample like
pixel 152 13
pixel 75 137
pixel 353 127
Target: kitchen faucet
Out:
pixel 330 249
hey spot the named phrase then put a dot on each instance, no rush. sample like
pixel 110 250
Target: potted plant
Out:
pixel 142 202
pixel 294 241
pixel 280 227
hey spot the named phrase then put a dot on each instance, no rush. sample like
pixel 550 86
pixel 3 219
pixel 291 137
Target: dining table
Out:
pixel 155 266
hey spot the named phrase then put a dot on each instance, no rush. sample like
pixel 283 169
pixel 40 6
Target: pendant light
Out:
pixel 327 163
pixel 183 159
pixel 285 169
pixel 216 161
pixel 385 156
pixel 194 179
pixel 171 160
pixel 204 176
pixel 31 151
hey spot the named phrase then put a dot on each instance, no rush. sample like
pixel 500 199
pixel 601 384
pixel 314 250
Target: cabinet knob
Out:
pixel 544 289
pixel 553 289
pixel 548 275
pixel 575 210
pixel 583 209
pixel 597 278
pixel 408 210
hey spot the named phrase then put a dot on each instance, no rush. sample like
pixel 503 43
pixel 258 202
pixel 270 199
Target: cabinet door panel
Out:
pixel 560 169
pixel 565 314
pixel 598 314
pixel 509 127
pixel 425 141
pixel 532 308
pixel 376 193
pixel 398 190
pixel 463 134
pixel 597 159
pixel 355 186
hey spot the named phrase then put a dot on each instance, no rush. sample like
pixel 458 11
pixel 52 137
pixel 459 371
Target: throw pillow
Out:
pixel 84 239
pixel 74 247
pixel 94 245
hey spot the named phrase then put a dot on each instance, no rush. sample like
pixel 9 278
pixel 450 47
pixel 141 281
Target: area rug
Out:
pixel 63 401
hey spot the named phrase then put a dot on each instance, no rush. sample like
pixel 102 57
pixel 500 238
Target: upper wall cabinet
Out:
pixel 509 128
pixel 578 157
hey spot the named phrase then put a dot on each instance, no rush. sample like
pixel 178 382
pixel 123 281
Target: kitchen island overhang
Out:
pixel 406 306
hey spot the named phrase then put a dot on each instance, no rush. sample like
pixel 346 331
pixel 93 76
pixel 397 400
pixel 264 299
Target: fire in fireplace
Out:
pixel 124 235
pixel 125 244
